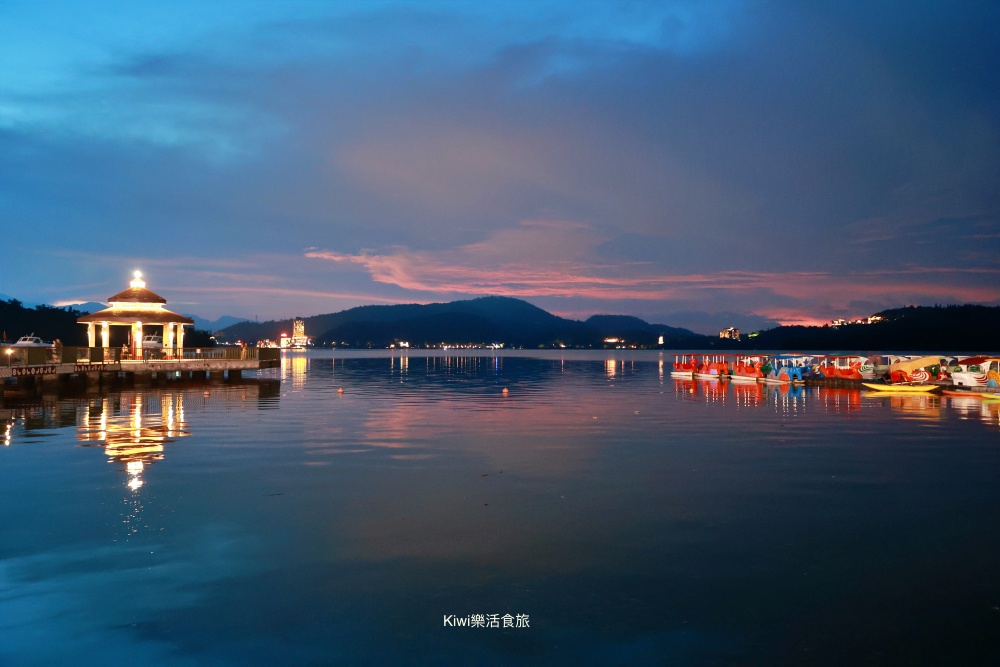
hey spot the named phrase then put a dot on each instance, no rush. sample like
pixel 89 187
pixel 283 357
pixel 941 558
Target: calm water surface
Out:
pixel 622 516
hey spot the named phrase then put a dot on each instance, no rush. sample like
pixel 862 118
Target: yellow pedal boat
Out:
pixel 901 388
pixel 969 393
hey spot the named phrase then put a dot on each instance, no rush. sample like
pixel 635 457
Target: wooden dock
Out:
pixel 25 370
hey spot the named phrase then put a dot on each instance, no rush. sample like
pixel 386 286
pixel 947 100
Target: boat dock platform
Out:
pixel 27 369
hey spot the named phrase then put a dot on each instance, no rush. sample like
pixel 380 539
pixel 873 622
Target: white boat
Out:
pixel 152 341
pixel 977 372
pixel 31 340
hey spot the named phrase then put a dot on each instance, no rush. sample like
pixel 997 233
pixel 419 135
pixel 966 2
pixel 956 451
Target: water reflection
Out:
pixel 294 366
pixel 927 407
pixel 347 524
pixel 133 428
pixel 403 363
pixel 975 408
pixel 748 394
pixel 839 400
pixel 791 399
pixel 707 391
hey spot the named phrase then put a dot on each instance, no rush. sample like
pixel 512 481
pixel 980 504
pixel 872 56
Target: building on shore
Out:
pixel 298 340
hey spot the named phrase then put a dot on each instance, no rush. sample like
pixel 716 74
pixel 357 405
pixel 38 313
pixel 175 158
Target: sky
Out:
pixel 696 164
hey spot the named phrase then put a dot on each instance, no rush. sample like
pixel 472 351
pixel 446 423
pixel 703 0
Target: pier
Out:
pixel 40 369
pixel 153 350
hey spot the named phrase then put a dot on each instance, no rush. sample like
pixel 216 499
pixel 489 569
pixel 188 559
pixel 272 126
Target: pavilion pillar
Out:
pixel 168 336
pixel 91 335
pixel 137 339
pixel 180 335
pixel 105 334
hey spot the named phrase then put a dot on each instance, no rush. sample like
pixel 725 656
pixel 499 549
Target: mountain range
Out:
pixel 516 323
pixel 957 328
pixel 485 320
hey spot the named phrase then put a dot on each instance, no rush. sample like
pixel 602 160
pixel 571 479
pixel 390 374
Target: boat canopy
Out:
pixel 971 361
pixel 910 365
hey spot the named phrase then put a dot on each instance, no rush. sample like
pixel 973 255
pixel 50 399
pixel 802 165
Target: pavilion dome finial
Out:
pixel 137 293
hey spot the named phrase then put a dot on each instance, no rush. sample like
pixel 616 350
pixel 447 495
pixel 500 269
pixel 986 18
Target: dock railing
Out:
pixel 54 355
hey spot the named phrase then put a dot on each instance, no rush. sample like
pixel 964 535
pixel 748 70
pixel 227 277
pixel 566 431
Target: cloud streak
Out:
pixel 559 259
pixel 723 157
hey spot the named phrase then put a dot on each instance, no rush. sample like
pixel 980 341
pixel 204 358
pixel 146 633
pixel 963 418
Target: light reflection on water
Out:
pixel 335 514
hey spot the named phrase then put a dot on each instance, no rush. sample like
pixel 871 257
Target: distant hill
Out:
pixel 48 322
pixel 635 329
pixel 88 307
pixel 485 320
pixel 214 325
pixel 966 328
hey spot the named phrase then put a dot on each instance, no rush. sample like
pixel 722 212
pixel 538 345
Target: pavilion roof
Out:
pixel 137 295
pixel 129 315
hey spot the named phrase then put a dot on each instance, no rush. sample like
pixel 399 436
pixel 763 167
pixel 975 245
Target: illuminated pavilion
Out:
pixel 136 307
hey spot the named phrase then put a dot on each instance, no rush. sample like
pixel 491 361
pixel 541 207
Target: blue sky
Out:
pixel 697 164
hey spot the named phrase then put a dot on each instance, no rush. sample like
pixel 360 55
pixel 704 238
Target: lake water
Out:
pixel 599 512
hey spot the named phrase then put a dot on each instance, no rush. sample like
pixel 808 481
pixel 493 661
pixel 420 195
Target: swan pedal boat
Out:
pixel 894 388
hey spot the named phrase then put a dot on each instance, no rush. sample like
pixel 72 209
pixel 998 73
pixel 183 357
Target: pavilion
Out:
pixel 136 307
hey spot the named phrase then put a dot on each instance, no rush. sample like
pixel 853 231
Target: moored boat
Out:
pixel 971 393
pixel 788 369
pixel 842 367
pixel 152 341
pixel 747 369
pixel 917 369
pixel 684 366
pixel 977 372
pixel 31 340
pixel 712 367
pixel 900 388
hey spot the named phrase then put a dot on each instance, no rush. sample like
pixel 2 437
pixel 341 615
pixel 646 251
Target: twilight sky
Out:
pixel 698 164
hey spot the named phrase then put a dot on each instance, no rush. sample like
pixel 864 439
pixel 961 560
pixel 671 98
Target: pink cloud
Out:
pixel 423 271
pixel 560 259
pixel 287 291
